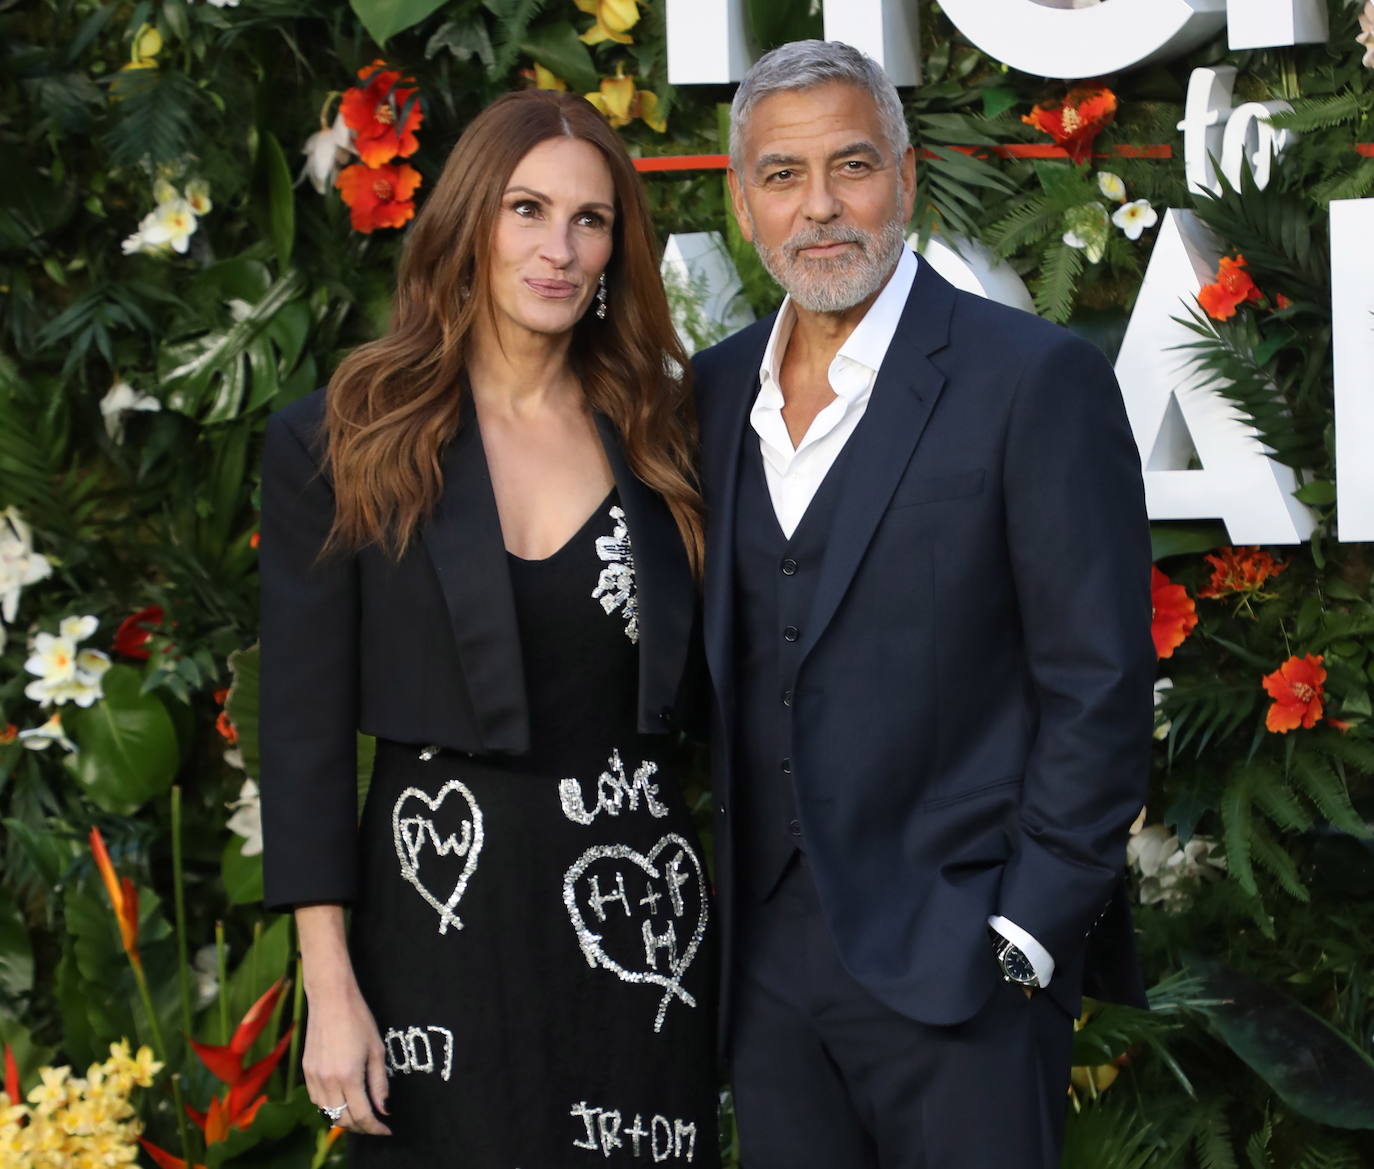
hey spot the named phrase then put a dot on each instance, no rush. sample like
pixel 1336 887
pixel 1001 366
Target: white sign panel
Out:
pixel 887 30
pixel 1085 42
pixel 974 268
pixel 706 44
pixel 1265 24
pixel 1174 415
pixel 1352 334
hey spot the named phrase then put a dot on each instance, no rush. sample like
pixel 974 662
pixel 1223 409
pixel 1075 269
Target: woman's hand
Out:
pixel 344 1061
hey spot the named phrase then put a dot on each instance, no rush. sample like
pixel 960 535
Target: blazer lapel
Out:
pixel 903 398
pixel 464 542
pixel 665 595
pixel 721 444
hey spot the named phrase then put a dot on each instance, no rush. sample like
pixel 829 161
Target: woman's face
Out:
pixel 552 237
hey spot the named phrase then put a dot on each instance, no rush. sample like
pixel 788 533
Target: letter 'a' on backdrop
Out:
pixel 1201 460
pixel 1352 338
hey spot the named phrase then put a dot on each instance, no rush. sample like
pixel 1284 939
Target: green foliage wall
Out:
pixel 135 378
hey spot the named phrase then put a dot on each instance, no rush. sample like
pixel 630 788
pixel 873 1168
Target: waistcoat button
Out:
pixel 791 633
pixel 789 567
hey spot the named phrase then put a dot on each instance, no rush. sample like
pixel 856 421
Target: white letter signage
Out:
pixel 1175 416
pixel 1352 334
pixel 1085 42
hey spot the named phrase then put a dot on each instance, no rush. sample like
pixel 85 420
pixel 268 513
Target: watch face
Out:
pixel 1017 967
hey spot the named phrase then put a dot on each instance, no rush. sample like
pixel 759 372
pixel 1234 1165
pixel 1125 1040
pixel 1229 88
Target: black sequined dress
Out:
pixel 534 938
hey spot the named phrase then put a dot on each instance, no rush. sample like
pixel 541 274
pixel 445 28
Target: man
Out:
pixel 927 620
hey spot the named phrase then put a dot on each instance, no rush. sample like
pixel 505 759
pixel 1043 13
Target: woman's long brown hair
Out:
pixel 394 402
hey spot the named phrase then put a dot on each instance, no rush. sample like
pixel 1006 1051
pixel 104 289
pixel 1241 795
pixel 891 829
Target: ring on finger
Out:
pixel 332 1114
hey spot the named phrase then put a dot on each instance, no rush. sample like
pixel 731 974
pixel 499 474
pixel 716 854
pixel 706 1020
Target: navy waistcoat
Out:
pixel 775 581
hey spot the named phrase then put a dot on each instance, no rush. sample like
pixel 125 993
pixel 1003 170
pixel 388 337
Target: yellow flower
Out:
pixel 616 96
pixel 51 1094
pixel 613 18
pixel 547 79
pixel 147 45
pixel 144 1067
pixel 620 102
pixel 198 196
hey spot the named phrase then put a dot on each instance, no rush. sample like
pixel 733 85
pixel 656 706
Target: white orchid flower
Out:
pixel 197 196
pixel 172 224
pixel 64 673
pixel 325 151
pixel 1112 186
pixel 1134 218
pixel 78 628
pixel 38 738
pixel 247 818
pixel 119 400
pixel 20 565
pixel 1162 725
pixel 1087 230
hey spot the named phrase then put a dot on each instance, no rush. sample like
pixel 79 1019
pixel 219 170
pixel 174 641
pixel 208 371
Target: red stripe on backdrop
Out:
pixel 675 162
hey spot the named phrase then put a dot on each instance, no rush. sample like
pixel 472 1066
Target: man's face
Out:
pixel 819 194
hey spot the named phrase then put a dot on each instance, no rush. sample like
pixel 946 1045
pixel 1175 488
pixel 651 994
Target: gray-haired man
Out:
pixel 927 619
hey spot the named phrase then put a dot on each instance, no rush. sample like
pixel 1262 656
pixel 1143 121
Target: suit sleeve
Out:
pixel 1079 550
pixel 309 684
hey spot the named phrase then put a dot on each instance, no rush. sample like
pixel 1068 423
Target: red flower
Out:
pixel 1172 613
pixel 1233 288
pixel 136 630
pixel 1075 122
pixel 1282 302
pixel 123 897
pixel 9 734
pixel 373 113
pixel 1240 570
pixel 237 1107
pixel 224 724
pixel 11 1077
pixel 378 196
pixel 163 1158
pixel 254 540
pixel 1296 688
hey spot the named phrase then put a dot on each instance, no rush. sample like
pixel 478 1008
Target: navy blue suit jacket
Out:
pixel 974 704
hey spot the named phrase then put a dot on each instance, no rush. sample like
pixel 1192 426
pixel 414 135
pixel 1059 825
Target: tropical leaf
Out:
pixel 513 19
pixel 383 19
pixel 1057 284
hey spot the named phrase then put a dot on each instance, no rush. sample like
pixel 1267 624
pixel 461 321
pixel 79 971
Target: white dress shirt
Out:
pixel 794 474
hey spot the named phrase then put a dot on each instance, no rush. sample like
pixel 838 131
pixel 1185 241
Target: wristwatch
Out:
pixel 1016 967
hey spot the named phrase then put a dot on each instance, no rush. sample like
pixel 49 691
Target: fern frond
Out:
pixel 1276 860
pixel 1257 1147
pixel 1320 113
pixel 1273 795
pixel 1058 282
pixel 1328 1151
pixel 513 19
pixel 1207 710
pixel 1028 224
pixel 157 115
pixel 1327 791
pixel 1351 184
pixel 1237 824
pixel 1212 1138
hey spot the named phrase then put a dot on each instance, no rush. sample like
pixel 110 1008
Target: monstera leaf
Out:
pixel 252 352
pixel 128 744
pixel 383 19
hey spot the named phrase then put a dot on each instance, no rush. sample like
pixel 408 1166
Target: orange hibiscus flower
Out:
pixel 373 113
pixel 1075 122
pixel 1172 613
pixel 1296 688
pixel 1233 287
pixel 1240 570
pixel 378 196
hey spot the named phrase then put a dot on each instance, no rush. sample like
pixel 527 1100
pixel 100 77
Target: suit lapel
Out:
pixel 904 395
pixel 464 542
pixel 722 438
pixel 663 583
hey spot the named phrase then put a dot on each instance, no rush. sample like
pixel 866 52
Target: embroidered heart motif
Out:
pixel 425 831
pixel 599 892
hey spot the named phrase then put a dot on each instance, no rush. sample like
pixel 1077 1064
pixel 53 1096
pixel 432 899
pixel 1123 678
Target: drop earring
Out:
pixel 601 298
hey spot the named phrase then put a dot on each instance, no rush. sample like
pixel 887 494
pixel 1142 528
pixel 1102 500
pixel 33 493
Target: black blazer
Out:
pixel 970 727
pixel 421 650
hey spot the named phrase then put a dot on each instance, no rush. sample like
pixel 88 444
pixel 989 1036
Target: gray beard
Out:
pixel 834 285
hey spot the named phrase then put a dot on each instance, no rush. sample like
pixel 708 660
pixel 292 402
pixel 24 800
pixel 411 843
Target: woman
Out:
pixel 478 546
